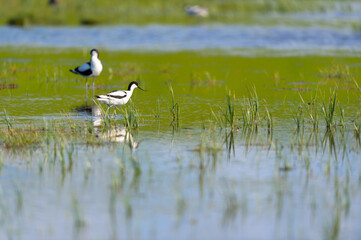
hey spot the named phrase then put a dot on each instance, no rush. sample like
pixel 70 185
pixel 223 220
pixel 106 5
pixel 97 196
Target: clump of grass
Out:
pixel 357 126
pixel 15 135
pixel 269 120
pixel 311 109
pixel 299 120
pixel 131 117
pixel 8 121
pixel 336 71
pixel 357 86
pixel 342 117
pixel 202 80
pixel 229 115
pixel 21 20
pixel 229 140
pixel 226 117
pixel 21 137
pixel 328 111
pixel 174 109
pixel 250 112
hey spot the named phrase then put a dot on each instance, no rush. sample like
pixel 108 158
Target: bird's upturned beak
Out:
pixel 141 89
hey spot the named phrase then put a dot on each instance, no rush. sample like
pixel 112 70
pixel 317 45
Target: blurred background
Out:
pixel 303 26
pixel 110 12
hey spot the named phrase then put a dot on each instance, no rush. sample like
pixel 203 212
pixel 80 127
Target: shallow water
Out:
pixel 313 39
pixel 192 182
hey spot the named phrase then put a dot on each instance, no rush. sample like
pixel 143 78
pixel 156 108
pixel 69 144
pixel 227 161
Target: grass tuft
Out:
pixel 328 111
pixel 131 117
pixel 250 112
pixel 174 109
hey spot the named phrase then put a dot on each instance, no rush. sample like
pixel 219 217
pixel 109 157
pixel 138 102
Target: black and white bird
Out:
pixel 118 97
pixel 93 68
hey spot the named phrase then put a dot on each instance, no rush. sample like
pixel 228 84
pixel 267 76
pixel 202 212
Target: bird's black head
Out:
pixel 94 50
pixel 134 83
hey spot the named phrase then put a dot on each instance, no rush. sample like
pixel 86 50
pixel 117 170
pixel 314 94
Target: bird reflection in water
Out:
pixel 115 133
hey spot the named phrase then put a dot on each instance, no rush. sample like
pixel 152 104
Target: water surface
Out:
pixel 314 40
pixel 196 181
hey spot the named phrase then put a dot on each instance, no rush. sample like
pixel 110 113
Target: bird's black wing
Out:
pixel 119 94
pixel 84 69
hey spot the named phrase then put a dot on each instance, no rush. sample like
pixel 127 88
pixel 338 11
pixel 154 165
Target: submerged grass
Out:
pixel 250 110
pixel 357 126
pixel 229 115
pixel 59 131
pixel 68 148
pixel 299 120
pixel 329 110
pixel 174 109
pixel 131 116
pixel 311 108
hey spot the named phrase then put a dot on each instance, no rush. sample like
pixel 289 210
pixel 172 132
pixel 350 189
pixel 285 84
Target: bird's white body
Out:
pixel 119 97
pixel 93 68
pixel 197 11
pixel 116 98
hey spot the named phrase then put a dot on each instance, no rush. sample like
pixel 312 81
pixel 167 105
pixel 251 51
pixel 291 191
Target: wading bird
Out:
pixel 196 11
pixel 118 97
pixel 93 68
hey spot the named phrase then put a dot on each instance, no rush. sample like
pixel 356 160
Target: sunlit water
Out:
pixel 178 38
pixel 158 182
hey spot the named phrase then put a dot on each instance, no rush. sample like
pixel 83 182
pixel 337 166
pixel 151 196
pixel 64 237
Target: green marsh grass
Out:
pixel 312 110
pixel 336 71
pixel 70 148
pixel 174 109
pixel 226 116
pixel 49 132
pixel 202 80
pixel 329 111
pixel 269 120
pixel 229 115
pixel 299 119
pixel 131 116
pixel 229 140
pixel 250 110
pixel 357 126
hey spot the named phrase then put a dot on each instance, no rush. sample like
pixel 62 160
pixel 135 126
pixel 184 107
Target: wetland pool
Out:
pixel 67 174
pixel 155 37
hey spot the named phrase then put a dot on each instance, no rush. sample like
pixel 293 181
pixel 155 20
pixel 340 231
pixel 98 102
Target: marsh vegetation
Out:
pixel 211 143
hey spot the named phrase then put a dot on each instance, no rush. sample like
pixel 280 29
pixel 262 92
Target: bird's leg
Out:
pixel 86 87
pixel 93 84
